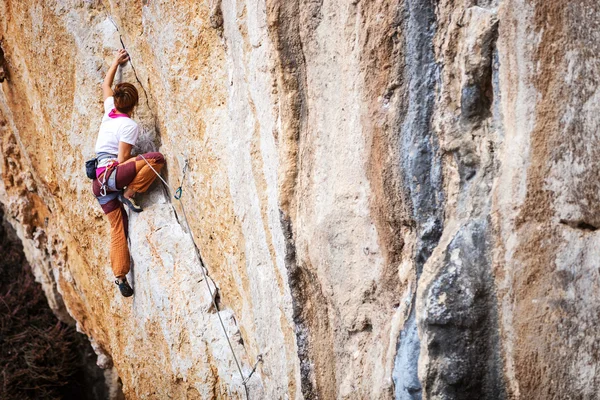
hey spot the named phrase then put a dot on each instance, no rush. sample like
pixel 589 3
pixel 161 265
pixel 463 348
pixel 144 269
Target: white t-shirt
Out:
pixel 115 130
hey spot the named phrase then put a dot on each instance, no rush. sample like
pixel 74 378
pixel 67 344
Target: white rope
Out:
pixel 212 296
pixel 157 174
pixel 178 197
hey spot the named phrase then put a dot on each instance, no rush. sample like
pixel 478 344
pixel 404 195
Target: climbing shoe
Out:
pixel 130 203
pixel 124 287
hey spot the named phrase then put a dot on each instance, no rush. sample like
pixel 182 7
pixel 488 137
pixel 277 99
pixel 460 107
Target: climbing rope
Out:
pixel 177 196
pixel 178 193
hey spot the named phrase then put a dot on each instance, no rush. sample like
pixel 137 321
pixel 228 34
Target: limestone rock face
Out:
pixel 390 198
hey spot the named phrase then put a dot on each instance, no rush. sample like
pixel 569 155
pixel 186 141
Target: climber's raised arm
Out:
pixel 120 58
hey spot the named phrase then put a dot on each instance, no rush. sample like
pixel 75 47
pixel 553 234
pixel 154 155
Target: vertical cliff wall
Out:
pixel 393 199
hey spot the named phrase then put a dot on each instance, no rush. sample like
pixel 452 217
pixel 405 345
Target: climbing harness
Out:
pixel 106 175
pixel 178 193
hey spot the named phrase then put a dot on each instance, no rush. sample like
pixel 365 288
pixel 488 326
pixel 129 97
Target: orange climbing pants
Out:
pixel 138 176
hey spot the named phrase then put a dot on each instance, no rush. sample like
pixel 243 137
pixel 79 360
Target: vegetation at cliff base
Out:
pixel 40 357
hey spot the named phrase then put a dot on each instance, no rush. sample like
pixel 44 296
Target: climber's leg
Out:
pixel 144 174
pixel 136 174
pixel 112 207
pixel 119 250
pixel 126 171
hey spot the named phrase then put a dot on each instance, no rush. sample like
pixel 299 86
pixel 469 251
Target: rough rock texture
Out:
pixel 394 198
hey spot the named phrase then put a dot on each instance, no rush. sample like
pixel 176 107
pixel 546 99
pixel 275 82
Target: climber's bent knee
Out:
pixel 155 156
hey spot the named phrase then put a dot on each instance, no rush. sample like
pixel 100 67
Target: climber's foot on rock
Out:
pixel 129 202
pixel 124 287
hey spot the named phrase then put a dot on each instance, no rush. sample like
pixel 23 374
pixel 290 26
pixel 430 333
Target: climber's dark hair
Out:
pixel 126 97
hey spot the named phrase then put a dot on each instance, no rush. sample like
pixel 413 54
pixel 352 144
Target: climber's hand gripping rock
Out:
pixel 121 57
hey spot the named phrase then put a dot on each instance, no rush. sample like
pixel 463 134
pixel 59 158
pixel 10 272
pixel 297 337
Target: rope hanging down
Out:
pixel 177 196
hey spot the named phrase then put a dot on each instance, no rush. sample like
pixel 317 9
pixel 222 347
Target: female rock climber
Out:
pixel 119 176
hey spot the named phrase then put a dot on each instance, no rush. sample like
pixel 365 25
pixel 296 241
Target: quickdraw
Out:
pixel 179 190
